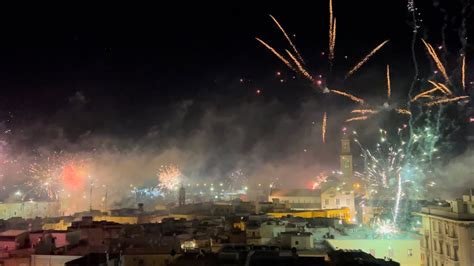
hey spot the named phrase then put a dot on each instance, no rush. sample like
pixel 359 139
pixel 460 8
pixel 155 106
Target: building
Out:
pixel 297 199
pixel 30 209
pixel 356 257
pixel 448 233
pixel 336 198
pixel 405 251
pixel 342 214
pixel 13 240
pixel 298 240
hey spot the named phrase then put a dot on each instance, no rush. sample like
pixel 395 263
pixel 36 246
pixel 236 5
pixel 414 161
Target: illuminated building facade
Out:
pixel 448 233
pixel 30 209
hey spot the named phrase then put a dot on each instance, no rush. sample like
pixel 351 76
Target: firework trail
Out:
pixel 403 111
pixel 288 39
pixel 463 73
pixel 169 178
pixel 436 59
pixel 441 87
pixel 283 59
pixel 350 96
pixel 364 111
pixel 300 67
pixel 332 32
pixel 397 199
pixel 366 58
pixel 447 100
pixel 425 94
pixel 357 118
pixel 389 90
pixel 323 127
pixel 333 41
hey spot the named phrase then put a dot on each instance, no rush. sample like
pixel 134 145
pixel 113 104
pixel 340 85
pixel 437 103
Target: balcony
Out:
pixel 438 255
pixel 454 241
pixel 452 261
pixel 437 235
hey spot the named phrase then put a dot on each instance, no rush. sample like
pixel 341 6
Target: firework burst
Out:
pixel 169 178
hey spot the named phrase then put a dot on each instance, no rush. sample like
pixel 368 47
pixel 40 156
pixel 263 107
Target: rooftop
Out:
pixel 10 233
pixel 295 193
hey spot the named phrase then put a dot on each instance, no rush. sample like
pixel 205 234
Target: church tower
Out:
pixel 346 157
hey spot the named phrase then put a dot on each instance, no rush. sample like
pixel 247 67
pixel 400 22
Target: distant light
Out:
pixel 258 91
pixel 278 73
pixel 471 119
pixel 319 82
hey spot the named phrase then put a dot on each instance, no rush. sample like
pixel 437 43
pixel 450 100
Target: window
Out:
pixel 326 202
pixel 297 243
pixel 410 252
pixel 338 202
pixel 348 202
pixel 253 234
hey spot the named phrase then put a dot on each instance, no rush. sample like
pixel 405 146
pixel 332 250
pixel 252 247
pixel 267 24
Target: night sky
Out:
pixel 165 78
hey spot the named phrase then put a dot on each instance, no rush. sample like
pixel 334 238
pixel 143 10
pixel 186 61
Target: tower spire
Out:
pixel 346 157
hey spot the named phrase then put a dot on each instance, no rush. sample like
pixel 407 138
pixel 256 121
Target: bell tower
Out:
pixel 346 157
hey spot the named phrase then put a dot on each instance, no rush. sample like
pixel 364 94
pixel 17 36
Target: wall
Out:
pixel 380 248
pixel 346 199
pixel 51 260
pixel 156 260
pixel 27 210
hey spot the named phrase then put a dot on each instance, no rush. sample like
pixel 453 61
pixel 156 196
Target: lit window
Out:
pixel 348 202
pixel 410 252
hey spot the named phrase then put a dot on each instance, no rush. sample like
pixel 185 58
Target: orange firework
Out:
pixel 425 94
pixel 463 72
pixel 364 111
pixel 403 111
pixel 388 82
pixel 323 127
pixel 357 118
pixel 447 100
pixel 441 87
pixel 436 59
pixel 288 39
pixel 332 32
pixel 169 178
pixel 366 58
pixel 283 59
pixel 350 96
pixel 445 89
pixel 74 175
pixel 300 67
